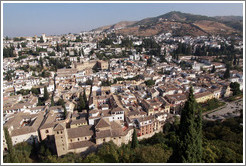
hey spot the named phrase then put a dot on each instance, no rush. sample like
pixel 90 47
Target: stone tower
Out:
pixel 60 132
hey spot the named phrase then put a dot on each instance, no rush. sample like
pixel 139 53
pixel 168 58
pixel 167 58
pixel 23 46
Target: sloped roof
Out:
pixel 103 134
pixel 80 131
pixel 80 144
pixel 59 126
pixel 102 123
pixel 117 109
pixel 78 121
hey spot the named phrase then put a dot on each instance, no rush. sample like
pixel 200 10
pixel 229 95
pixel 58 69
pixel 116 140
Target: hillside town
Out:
pixel 77 91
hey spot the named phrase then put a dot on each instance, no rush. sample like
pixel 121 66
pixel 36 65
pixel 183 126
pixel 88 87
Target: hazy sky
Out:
pixel 29 19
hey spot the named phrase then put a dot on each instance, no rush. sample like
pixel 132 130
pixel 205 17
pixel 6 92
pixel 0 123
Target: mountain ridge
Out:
pixel 175 21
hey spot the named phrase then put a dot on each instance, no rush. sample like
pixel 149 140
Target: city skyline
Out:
pixel 50 18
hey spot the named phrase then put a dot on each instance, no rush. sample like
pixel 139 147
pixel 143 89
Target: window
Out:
pixel 85 138
pixel 61 132
pixel 57 132
pixel 78 139
pixel 119 137
pixel 104 140
pixel 61 137
pixel 46 131
pixel 71 140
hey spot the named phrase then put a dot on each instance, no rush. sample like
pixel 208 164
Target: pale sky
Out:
pixel 29 19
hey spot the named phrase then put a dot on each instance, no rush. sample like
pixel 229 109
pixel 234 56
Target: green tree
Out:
pixel 149 61
pixel 41 39
pixel 9 75
pixel 235 88
pixel 152 154
pixel 92 158
pixel 40 102
pixel 81 104
pixel 213 69
pixel 190 133
pixel 134 143
pixel 23 152
pixel 60 102
pixel 23 44
pixel 150 83
pixel 58 47
pixel 125 154
pixel 11 151
pixel 41 62
pixel 35 91
pixel 8 52
pixel 52 101
pixel 65 110
pixel 108 152
pixel 227 72
pixel 85 100
pixel 209 153
pixel 46 94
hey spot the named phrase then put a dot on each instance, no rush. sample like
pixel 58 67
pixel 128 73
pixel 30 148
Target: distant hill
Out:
pixel 235 22
pixel 229 18
pixel 118 25
pixel 180 24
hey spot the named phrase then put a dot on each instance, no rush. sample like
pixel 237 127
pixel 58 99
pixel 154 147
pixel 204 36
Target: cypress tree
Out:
pixel 11 150
pixel 234 60
pixel 84 96
pixel 134 143
pixel 238 61
pixel 227 73
pixel 81 104
pixel 52 101
pixel 46 94
pixel 85 99
pixel 65 110
pixel 41 62
pixel 213 69
pixel 190 133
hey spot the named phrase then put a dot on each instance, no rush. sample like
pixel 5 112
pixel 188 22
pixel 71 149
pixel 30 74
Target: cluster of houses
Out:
pixel 114 110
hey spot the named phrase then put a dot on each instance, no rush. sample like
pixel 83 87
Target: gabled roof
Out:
pixel 102 123
pixel 115 125
pixel 116 109
pixel 81 144
pixel 103 134
pixel 82 131
pixel 59 126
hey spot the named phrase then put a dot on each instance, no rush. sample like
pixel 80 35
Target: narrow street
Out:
pixel 231 109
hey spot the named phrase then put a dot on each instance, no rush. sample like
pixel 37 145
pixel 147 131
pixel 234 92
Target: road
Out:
pixel 231 109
